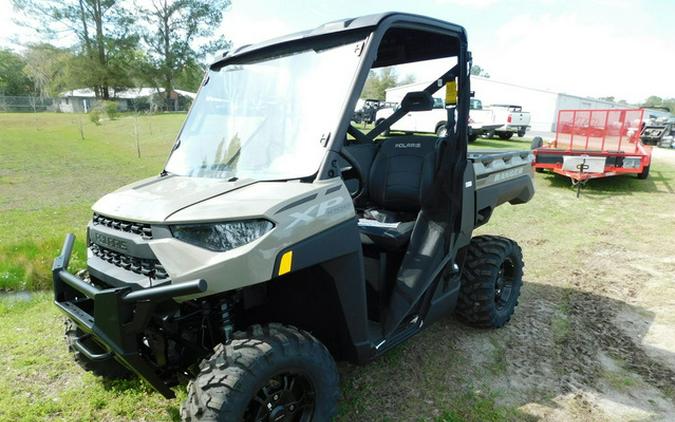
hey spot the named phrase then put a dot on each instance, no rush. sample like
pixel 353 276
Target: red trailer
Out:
pixel 590 144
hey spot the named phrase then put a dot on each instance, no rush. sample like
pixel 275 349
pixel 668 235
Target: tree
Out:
pixel 12 79
pixel 173 27
pixel 479 71
pixel 654 101
pixel 190 77
pixel 379 81
pixel 49 68
pixel 104 31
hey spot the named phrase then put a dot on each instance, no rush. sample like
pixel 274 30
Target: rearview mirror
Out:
pixel 417 101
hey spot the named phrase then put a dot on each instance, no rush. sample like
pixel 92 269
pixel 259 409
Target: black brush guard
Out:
pixel 116 318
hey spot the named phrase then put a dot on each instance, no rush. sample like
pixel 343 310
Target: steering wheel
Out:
pixel 354 169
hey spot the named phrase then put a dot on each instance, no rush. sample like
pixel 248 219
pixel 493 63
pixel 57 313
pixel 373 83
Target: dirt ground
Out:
pixel 604 347
pixel 593 338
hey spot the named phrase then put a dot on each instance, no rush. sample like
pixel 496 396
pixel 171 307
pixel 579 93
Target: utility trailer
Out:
pixel 591 144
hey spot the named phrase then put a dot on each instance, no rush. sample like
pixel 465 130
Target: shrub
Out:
pixel 111 110
pixel 95 116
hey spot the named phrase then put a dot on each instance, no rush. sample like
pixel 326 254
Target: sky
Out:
pixel 597 48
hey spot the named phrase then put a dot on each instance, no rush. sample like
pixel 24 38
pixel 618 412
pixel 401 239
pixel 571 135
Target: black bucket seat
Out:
pixel 400 178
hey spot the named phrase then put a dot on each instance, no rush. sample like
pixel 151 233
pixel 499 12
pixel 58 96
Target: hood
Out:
pixel 153 200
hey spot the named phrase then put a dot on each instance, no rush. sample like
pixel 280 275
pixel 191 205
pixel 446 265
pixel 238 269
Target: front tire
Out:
pixel 271 372
pixel 491 281
pixel 644 173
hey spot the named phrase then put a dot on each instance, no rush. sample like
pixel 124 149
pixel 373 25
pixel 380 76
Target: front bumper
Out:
pixel 116 317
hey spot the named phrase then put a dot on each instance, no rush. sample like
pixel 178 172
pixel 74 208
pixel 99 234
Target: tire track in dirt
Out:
pixel 557 342
pixel 593 330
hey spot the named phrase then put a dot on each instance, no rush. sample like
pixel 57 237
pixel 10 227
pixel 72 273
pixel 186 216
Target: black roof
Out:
pixel 334 28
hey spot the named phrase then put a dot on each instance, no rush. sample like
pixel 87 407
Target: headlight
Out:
pixel 221 237
pixel 631 162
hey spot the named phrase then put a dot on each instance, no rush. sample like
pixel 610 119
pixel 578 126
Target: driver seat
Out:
pixel 400 178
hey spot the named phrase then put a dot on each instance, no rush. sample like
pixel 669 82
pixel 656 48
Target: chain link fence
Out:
pixel 28 104
pixel 154 103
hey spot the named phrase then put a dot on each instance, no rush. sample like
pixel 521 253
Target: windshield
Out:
pixel 266 120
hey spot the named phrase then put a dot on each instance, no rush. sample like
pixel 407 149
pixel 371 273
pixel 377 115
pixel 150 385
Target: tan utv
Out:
pixel 279 239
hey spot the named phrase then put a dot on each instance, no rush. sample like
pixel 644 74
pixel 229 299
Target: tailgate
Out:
pixel 519 118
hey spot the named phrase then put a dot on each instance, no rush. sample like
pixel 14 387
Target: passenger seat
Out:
pixel 400 177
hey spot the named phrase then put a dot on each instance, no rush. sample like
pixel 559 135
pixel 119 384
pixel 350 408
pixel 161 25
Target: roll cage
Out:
pixel 392 39
pixel 389 39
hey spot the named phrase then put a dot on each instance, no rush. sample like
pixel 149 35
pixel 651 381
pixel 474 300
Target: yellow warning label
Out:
pixel 451 93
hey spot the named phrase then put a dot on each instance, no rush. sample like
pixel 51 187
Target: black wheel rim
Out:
pixel 504 284
pixel 287 397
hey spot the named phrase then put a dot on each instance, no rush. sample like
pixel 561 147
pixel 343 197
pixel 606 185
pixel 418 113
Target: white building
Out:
pixel 543 105
pixel 82 100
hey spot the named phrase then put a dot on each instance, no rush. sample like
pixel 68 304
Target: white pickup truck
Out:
pixel 433 121
pixel 496 120
pixel 512 120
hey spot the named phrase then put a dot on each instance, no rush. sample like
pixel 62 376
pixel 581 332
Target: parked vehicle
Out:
pixel 366 109
pixel 513 120
pixel 659 132
pixel 272 244
pixel 434 120
pixel 591 144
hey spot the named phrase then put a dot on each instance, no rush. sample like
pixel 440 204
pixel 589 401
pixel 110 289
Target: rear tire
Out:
pixel 644 174
pixel 110 369
pixel 505 135
pixel 263 374
pixel 491 281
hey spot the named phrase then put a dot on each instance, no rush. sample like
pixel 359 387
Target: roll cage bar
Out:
pixel 370 59
pixel 402 110
pixel 448 76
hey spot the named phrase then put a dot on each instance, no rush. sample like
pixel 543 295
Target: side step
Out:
pixel 385 344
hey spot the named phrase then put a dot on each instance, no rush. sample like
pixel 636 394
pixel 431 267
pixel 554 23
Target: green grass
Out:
pixel 50 177
pixel 619 380
pixel 481 407
pixel 41 382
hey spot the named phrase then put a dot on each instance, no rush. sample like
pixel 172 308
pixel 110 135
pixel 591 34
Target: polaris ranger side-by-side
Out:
pixel 279 238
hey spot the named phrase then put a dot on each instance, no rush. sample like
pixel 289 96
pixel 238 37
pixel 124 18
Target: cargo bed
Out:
pixel 501 176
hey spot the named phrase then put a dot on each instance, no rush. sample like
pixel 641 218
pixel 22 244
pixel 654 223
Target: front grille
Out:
pixel 148 267
pixel 140 229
